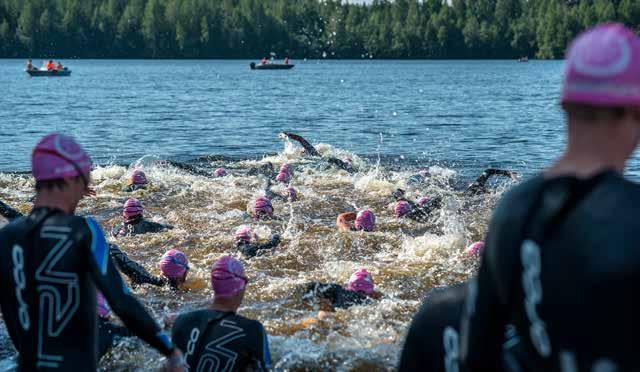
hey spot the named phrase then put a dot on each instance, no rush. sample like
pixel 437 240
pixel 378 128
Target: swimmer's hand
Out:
pixel 282 135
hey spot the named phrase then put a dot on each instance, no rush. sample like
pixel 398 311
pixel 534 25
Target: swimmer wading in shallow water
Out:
pixel 134 221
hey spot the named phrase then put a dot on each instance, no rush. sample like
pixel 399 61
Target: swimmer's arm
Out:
pixel 340 164
pixel 483 321
pixel 307 146
pixel 479 184
pixel 8 212
pixel 119 297
pixel 275 240
pixel 130 268
pixel 345 221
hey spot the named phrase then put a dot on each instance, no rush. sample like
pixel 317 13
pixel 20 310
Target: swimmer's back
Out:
pixel 580 282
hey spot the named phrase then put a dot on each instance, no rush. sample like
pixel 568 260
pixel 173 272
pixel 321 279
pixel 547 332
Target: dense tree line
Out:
pixel 301 28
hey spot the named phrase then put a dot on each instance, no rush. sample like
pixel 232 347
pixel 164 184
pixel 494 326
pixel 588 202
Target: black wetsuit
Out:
pixel 311 151
pixel 337 295
pixel 221 341
pixel 251 250
pixel 562 261
pixel 108 334
pixel 132 269
pixel 50 266
pixel 433 340
pixel 133 187
pixel 8 212
pixel 138 226
pixel 479 185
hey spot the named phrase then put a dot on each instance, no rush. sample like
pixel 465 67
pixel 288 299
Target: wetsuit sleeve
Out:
pixel 275 240
pixel 153 227
pixel 266 354
pixel 109 282
pixel 340 164
pixel 116 230
pixel 8 212
pixel 130 268
pixel 248 250
pixel 485 315
pixel 479 186
pixel 307 146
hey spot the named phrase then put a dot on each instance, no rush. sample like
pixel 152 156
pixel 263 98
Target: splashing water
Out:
pixel 406 258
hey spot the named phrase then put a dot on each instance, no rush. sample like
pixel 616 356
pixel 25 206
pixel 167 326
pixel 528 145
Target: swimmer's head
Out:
pixel 262 207
pixel 138 178
pixel 283 177
pixel 220 172
pixel 244 234
pixel 104 311
pixel 422 201
pixel 228 278
pixel 361 281
pixel 602 68
pixel 365 220
pixel 174 265
pixel 287 168
pixel 291 194
pixel 475 249
pixel 132 209
pixel 402 208
pixel 57 156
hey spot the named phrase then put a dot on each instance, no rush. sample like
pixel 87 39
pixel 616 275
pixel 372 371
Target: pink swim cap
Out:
pixel 104 311
pixel 244 234
pixel 227 277
pixel 361 281
pixel 283 177
pixel 132 208
pixel 423 200
pixel 402 207
pixel 291 194
pixel 365 220
pixel 138 177
pixel 602 67
pixel 57 156
pixel 475 249
pixel 286 168
pixel 220 172
pixel 174 264
pixel 263 205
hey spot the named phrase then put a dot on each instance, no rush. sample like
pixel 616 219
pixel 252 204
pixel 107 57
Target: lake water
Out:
pixel 391 119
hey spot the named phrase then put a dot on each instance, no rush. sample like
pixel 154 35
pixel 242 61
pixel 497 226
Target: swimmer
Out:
pixel 9 213
pixel 219 172
pixel 247 245
pixel 137 181
pixel 174 266
pixel 475 188
pixel 561 254
pixel 262 209
pixel 364 220
pixel 418 211
pixel 205 332
pixel 359 291
pixel 82 263
pixel 134 221
pixel 290 194
pixel 311 151
pixel 432 343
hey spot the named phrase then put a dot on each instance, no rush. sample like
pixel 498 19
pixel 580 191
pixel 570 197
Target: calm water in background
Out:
pixel 467 114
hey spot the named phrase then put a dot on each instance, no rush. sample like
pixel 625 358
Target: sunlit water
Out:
pixel 392 118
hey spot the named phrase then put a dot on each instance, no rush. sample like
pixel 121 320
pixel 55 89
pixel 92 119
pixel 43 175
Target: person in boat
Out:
pixel 311 151
pixel 137 181
pixel 30 66
pixel 286 60
pixel 59 67
pixel 359 291
pixel 218 336
pixel 364 220
pixel 51 66
pixel 134 221
pixel 433 340
pixel 263 61
pixel 247 242
pixel 53 236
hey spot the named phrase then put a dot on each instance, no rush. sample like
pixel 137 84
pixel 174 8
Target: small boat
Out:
pixel 39 73
pixel 523 59
pixel 271 66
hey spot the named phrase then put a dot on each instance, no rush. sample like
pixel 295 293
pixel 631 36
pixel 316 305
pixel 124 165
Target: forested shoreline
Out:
pixel 300 28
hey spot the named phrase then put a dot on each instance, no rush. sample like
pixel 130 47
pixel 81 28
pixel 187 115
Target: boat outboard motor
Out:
pixel 252 65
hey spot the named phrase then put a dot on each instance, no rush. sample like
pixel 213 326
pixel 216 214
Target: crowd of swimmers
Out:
pixel 559 259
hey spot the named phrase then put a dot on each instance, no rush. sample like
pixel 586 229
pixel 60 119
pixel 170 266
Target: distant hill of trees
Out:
pixel 300 28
